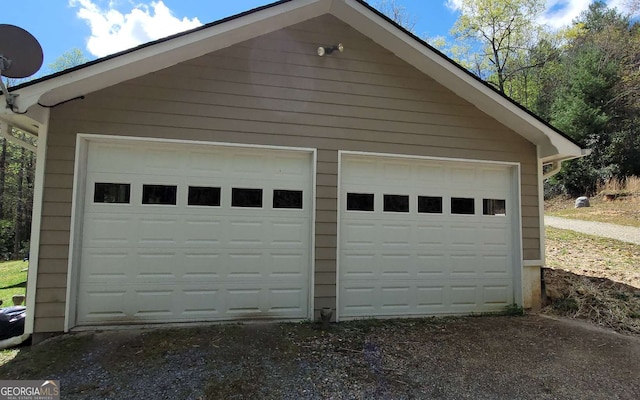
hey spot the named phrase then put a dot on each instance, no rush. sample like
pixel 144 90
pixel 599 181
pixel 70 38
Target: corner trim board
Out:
pixel 36 225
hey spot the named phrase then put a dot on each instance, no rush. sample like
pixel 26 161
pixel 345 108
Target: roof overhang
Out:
pixel 552 144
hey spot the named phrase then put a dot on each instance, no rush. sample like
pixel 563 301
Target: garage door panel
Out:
pixel 103 304
pixel 432 175
pixel 430 298
pixel 157 303
pixel 109 265
pixel 358 234
pixel 395 236
pixel 358 265
pixel 249 165
pixel 427 262
pixel 209 164
pixel 496 265
pixel 159 265
pixel 431 266
pixel 111 157
pixel 462 266
pixel 464 295
pixel 495 236
pixel 359 300
pixel 105 231
pixel 288 265
pixel 203 233
pixel 153 303
pixel 430 236
pixel 202 266
pixel 394 266
pixel 158 231
pixel 163 263
pixel 495 294
pixel 395 299
pixel 201 302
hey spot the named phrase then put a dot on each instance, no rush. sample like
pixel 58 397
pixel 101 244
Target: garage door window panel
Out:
pixel 204 196
pixel 116 193
pixel 463 205
pixel 396 203
pixel 159 194
pixel 496 207
pixel 360 201
pixel 429 205
pixel 291 199
pixel 243 197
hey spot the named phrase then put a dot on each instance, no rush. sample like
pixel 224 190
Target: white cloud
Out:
pixel 454 5
pixel 113 31
pixel 560 13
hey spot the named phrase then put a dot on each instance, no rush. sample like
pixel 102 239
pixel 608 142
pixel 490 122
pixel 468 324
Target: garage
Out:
pixel 178 232
pixel 423 236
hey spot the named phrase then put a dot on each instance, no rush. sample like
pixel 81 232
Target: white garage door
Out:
pixel 424 237
pixel 175 232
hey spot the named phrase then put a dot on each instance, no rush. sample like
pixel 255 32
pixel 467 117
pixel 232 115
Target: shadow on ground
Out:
pixel 487 357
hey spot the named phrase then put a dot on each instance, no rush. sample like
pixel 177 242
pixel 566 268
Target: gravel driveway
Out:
pixel 612 231
pixel 453 358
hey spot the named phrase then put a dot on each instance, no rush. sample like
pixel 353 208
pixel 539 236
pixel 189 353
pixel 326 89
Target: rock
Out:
pixel 553 293
pixel 582 201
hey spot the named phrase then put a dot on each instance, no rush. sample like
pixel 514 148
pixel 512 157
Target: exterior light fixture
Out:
pixel 322 50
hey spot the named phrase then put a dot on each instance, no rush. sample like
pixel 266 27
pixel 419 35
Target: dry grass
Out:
pixel 621 211
pixel 617 202
pixel 593 278
pixel 599 300
pixel 615 186
pixel 593 256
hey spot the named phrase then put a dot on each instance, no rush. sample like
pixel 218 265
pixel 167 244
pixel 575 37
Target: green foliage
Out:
pixel 7 234
pixel 504 29
pixel 69 59
pixel 16 194
pixel 586 102
pixel 514 310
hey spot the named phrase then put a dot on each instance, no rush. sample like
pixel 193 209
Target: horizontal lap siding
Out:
pixel 275 90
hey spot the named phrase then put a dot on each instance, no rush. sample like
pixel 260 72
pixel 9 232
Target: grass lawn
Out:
pixel 623 211
pixel 10 274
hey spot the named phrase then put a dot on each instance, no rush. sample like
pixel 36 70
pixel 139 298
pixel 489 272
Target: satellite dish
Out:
pixel 20 57
pixel 20 52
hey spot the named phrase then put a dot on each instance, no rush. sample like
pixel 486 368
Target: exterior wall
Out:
pixel 275 90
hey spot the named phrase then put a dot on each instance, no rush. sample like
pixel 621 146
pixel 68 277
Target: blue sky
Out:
pixel 102 27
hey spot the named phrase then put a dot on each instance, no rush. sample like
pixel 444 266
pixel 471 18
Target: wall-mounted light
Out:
pixel 322 50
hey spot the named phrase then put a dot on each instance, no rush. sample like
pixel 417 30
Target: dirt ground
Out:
pixel 488 357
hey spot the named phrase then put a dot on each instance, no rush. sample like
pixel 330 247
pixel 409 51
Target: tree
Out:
pixel 594 101
pixel 397 13
pixel 504 30
pixel 17 177
pixel 69 59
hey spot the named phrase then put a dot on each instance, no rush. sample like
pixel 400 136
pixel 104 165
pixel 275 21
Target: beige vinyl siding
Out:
pixel 275 90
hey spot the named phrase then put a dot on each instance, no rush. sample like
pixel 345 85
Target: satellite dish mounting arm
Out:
pixel 10 98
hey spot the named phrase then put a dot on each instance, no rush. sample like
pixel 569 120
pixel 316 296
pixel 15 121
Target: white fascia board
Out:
pixel 171 52
pixel 29 122
pixel 453 78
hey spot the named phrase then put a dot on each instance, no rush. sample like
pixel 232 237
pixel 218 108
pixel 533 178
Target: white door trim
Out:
pixel 79 190
pixel 516 193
